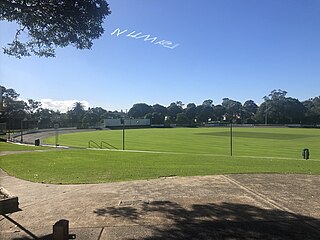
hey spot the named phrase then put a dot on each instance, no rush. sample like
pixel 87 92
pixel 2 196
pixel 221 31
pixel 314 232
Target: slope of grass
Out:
pixel 95 166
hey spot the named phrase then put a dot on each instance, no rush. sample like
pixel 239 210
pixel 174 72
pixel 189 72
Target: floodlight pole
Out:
pixel 123 127
pixel 231 138
pixel 21 140
pixel 56 126
pixel 23 120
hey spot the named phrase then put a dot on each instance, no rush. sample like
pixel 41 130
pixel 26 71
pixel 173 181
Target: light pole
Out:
pixel 123 127
pixel 23 120
pixel 266 115
pixel 231 138
pixel 266 99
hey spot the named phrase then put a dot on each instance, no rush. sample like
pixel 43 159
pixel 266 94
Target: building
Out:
pixel 111 123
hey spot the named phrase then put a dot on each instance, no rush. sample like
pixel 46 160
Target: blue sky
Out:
pixel 240 49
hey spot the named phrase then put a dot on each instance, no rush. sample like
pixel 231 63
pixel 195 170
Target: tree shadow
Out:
pixel 218 221
pixel 127 212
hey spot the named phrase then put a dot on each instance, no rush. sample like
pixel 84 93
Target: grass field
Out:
pixel 261 142
pixel 170 152
pixel 17 147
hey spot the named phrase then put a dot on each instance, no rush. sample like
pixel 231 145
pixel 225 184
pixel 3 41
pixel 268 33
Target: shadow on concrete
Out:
pixel 129 212
pixel 218 221
pixel 47 237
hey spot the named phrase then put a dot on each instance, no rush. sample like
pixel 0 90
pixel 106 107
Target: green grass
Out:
pixel 180 152
pixel 94 166
pixel 261 142
pixel 16 147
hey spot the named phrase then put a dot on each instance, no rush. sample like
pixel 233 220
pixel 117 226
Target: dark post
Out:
pixel 123 136
pixel 305 153
pixel 231 138
pixel 21 140
pixel 61 230
pixel 56 126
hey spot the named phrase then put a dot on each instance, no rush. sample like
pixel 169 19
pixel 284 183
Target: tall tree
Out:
pixel 139 110
pixel 207 102
pixel 191 112
pixel 233 108
pixel 53 23
pixel 157 108
pixel 90 119
pixel 279 109
pixel 218 112
pixel 173 110
pixel 182 118
pixel 250 108
pixel 76 114
pixel 155 117
pixel 312 114
pixel 14 110
pixel 204 113
pixel 32 106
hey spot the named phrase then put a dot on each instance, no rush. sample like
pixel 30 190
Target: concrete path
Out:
pixel 255 206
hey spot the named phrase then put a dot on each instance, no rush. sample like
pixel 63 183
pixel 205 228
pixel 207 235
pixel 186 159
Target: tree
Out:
pixel 279 109
pixel 90 118
pixel 173 110
pixel 233 108
pixel 32 106
pixel 191 111
pixel 204 112
pixel 139 110
pixel 155 118
pixel 218 112
pixel 157 108
pixel 276 95
pixel 98 111
pixel 76 114
pixel 53 23
pixel 293 111
pixel 249 110
pixel 182 118
pixel 179 104
pixel 207 102
pixel 45 118
pixel 312 114
pixel 14 110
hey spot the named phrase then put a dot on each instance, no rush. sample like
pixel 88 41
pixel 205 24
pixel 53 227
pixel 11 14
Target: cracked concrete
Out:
pixel 241 206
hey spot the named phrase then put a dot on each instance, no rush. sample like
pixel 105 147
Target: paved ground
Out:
pixel 255 206
pixel 30 138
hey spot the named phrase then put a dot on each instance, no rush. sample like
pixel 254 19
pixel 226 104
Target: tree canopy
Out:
pixel 53 23
pixel 276 109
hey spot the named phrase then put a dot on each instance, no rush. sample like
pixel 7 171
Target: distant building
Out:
pixel 109 123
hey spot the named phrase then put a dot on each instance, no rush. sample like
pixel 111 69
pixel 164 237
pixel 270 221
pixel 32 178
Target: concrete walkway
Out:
pixel 255 206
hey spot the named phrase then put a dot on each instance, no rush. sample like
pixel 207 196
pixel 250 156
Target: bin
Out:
pixel 305 153
pixel 37 142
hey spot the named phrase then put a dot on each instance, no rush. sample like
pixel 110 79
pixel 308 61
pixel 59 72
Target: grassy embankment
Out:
pixel 181 152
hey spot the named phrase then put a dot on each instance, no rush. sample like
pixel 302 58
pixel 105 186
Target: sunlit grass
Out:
pixel 96 166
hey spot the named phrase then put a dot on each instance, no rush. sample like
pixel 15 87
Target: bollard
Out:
pixel 61 230
pixel 305 153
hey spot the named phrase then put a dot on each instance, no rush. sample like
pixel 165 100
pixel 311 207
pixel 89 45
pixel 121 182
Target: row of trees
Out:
pixel 277 108
pixel 29 114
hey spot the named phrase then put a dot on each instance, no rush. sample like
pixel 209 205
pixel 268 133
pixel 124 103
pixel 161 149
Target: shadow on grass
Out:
pixel 216 221
pixel 263 135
